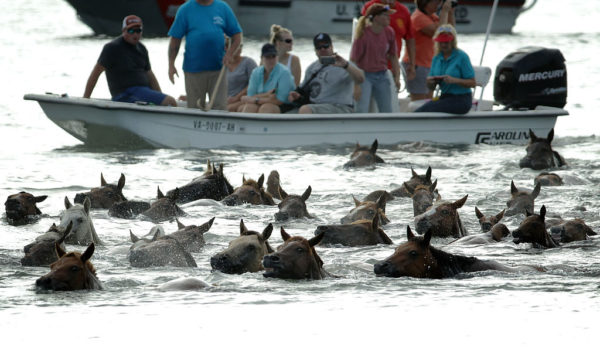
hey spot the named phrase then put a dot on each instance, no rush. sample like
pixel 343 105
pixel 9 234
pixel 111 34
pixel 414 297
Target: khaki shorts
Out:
pixel 198 85
pixel 329 108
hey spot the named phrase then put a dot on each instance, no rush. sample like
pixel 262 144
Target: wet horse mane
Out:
pixel 451 264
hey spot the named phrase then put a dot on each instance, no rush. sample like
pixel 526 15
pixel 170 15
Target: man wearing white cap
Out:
pixel 127 65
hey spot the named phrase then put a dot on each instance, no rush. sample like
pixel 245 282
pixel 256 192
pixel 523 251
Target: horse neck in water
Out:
pixel 72 271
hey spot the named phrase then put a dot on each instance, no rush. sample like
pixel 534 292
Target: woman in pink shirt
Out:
pixel 424 24
pixel 373 46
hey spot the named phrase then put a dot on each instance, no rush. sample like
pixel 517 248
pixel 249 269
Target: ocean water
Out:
pixel 46 49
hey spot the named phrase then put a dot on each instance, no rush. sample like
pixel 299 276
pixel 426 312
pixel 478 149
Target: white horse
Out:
pixel 83 232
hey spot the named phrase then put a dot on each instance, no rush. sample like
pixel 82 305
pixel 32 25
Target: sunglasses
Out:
pixel 270 56
pixel 289 41
pixel 134 30
pixel 324 46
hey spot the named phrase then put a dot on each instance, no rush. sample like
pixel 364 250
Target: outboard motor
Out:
pixel 530 77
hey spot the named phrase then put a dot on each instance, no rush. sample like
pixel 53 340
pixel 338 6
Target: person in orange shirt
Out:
pixel 424 24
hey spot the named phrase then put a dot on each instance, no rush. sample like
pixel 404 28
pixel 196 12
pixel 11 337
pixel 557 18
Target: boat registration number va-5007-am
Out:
pixel 214 126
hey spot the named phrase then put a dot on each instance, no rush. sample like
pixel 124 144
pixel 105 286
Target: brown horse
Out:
pixel 414 181
pixel 533 230
pixel 367 211
pixel 442 219
pixel 540 154
pixel 358 233
pixel 72 271
pixel 21 207
pixel 422 197
pixel 128 209
pixel 487 222
pixel 42 252
pixel 211 185
pixel 417 258
pixel 251 192
pixel 105 196
pixel 375 195
pixel 164 208
pixel 245 253
pixel 521 201
pixel 571 231
pixel 548 179
pixel 364 156
pixel 191 237
pixel 296 258
pixel 292 206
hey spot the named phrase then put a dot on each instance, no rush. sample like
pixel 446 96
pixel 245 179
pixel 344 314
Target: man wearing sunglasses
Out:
pixel 128 72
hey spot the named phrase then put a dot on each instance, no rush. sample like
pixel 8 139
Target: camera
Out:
pixel 327 60
pixel 454 3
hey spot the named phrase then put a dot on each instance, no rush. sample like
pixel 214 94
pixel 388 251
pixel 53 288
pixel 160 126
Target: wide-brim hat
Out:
pixel 377 9
pixel 131 21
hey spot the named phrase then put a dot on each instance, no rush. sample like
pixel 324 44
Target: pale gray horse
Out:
pixel 83 231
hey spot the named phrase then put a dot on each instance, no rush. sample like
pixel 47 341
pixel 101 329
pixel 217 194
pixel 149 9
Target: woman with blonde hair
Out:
pixel 283 40
pixel 450 68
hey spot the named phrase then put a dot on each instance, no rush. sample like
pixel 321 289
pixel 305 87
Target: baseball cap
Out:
pixel 321 38
pixel 268 49
pixel 131 21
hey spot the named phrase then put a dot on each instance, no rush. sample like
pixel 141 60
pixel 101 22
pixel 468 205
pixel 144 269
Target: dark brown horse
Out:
pixel 375 195
pixel 417 258
pixel 292 206
pixel 533 230
pixel 191 237
pixel 21 207
pixel 128 209
pixel 358 233
pixel 422 196
pixel 164 208
pixel 296 258
pixel 105 196
pixel 571 231
pixel 414 181
pixel 548 179
pixel 521 201
pixel 211 185
pixel 245 253
pixel 487 222
pixel 367 211
pixel 540 154
pixel 442 219
pixel 251 192
pixel 72 271
pixel 364 156
pixel 42 252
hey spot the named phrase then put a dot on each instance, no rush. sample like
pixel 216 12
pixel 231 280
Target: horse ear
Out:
pixel 428 173
pixel 532 137
pixel 306 193
pixel 261 180
pixel 267 232
pixel 243 228
pixel 133 237
pixel 207 225
pixel 316 239
pixel 478 213
pixel 513 188
pixel 413 172
pixel 427 237
pixel 356 201
pixel 381 202
pixel 282 194
pixel 375 222
pixel 409 234
pixel 284 235
pixel 550 136
pixel 102 181
pixel 67 203
pixel 527 213
pixel 88 253
pixel 543 212
pixel 500 215
pixel 66 233
pixel 121 182
pixel 536 190
pixel 409 188
pixel 221 169
pixel 159 193
pixel 374 146
pixel 87 204
pixel 59 251
pixel 433 186
pixel 180 226
pixel 243 179
pixel 459 203
pixel 39 199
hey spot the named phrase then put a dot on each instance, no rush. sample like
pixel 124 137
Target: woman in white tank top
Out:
pixel 283 40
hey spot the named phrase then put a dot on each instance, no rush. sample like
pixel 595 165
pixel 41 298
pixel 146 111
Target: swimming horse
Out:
pixel 540 154
pixel 72 271
pixel 21 207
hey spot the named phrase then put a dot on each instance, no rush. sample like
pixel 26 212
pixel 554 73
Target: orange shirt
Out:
pixel 423 42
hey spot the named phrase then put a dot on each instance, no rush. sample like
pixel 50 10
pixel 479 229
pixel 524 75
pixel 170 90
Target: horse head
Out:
pixel 21 205
pixel 105 196
pixel 296 258
pixel 72 271
pixel 540 154
pixel 442 219
pixel 292 206
pixel 363 156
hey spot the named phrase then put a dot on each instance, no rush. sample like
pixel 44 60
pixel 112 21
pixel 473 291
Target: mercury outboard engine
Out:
pixel 530 77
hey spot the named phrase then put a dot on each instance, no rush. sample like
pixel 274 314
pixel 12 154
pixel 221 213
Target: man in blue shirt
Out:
pixel 204 24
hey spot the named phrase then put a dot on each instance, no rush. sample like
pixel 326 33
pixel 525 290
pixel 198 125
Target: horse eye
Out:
pixel 299 250
pixel 370 212
pixel 445 212
pixel 250 248
pixel 74 268
pixel 79 220
pixel 413 253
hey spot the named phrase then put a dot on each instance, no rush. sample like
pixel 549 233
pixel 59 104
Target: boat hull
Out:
pixel 128 125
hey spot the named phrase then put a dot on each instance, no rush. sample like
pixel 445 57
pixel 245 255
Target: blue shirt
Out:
pixel 203 28
pixel 457 65
pixel 280 79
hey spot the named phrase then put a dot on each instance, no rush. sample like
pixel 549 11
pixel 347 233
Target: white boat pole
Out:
pixel 489 29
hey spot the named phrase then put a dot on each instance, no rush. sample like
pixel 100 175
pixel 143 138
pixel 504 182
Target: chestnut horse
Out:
pixel 72 271
pixel 21 206
pixel 366 211
pixel 533 230
pixel 211 185
pixel 442 219
pixel 42 252
pixel 487 222
pixel 571 231
pixel 164 208
pixel 105 196
pixel 358 233
pixel 292 206
pixel 422 197
pixel 417 258
pixel 245 253
pixel 521 201
pixel 548 179
pixel 540 154
pixel 251 192
pixel 364 156
pixel 296 258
